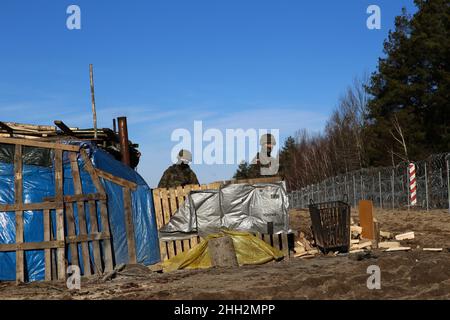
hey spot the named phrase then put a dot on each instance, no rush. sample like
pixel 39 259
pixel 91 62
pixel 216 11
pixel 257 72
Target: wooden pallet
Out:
pixel 63 207
pixel 167 202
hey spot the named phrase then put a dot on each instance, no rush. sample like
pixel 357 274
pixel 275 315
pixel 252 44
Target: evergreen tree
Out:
pixel 411 87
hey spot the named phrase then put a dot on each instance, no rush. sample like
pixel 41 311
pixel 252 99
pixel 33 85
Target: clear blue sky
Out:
pixel 230 63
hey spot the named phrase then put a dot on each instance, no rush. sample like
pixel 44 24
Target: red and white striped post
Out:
pixel 412 184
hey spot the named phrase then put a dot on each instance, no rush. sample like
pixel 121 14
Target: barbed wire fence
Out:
pixel 387 187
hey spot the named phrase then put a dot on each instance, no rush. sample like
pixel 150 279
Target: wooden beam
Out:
pixel 31 206
pixel 92 208
pixel 96 236
pixel 129 225
pixel 7 128
pixel 59 191
pixel 18 196
pixel 47 254
pixel 63 127
pixel 25 246
pixel 79 197
pixel 92 172
pixel 40 144
pixel 70 217
pixel 82 225
pixel 120 181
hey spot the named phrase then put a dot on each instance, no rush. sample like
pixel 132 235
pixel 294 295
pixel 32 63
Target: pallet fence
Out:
pixel 167 202
pixel 66 209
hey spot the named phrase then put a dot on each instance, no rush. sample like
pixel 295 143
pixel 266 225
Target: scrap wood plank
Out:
pixel 117 180
pixel 186 245
pixel 18 199
pixel 129 226
pixel 39 144
pixel 79 197
pixel 59 185
pixel 92 208
pixel 31 206
pixel 173 201
pixel 158 208
pixel 26 246
pixel 70 217
pixel 433 249
pixel 107 248
pixel 180 196
pixel 48 252
pixel 398 249
pixel 388 244
pixel 82 225
pixel 405 236
pixel 178 247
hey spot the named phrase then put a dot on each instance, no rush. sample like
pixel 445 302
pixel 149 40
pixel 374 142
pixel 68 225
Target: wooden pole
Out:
pixel 94 111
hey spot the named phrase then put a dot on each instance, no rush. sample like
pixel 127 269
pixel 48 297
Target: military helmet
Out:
pixel 185 155
pixel 267 139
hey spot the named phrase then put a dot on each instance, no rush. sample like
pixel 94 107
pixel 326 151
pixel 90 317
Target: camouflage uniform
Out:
pixel 178 175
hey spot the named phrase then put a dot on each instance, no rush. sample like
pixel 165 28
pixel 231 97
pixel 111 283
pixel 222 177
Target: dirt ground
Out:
pixel 404 275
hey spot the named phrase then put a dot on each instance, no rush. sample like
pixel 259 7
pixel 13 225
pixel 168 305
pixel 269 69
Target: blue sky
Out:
pixel 266 64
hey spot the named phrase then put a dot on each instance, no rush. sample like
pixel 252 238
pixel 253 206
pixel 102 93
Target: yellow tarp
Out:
pixel 249 250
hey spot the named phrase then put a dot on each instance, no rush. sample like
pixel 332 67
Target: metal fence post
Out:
pixel 354 191
pixel 426 185
pixel 379 185
pixel 392 188
pixel 334 189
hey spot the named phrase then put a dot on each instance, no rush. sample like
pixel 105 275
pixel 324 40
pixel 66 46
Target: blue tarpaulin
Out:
pixel 38 183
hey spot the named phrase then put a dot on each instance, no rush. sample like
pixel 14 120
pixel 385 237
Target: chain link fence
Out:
pixel 387 187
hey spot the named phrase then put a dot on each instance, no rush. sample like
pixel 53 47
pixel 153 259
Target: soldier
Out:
pixel 179 174
pixel 264 164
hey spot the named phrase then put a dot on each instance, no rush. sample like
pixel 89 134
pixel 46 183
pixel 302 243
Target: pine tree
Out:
pixel 411 86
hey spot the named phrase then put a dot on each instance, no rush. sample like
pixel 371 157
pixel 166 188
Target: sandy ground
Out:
pixel 404 275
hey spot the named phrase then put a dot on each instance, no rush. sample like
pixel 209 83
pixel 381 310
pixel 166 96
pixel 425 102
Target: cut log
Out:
pixel 354 241
pixel 388 244
pixel 405 236
pixel 433 249
pixel 222 252
pixel 398 249
pixel 356 251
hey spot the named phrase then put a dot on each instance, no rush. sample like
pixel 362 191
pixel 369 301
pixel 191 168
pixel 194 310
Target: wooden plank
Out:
pixel 366 219
pixel 39 144
pixel 70 217
pixel 120 181
pixel 79 197
pixel 170 249
pixel 25 246
pixel 285 244
pixel 129 225
pixel 158 209
pixel 48 252
pixel 186 245
pixel 91 170
pixel 173 201
pixel 107 249
pixel 180 196
pixel 94 229
pixel 18 199
pixel 178 246
pixel 31 206
pixel 276 241
pixel 97 236
pixel 165 205
pixel 163 250
pixel 59 191
pixel 82 225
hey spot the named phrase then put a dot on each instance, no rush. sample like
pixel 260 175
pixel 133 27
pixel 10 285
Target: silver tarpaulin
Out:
pixel 242 207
